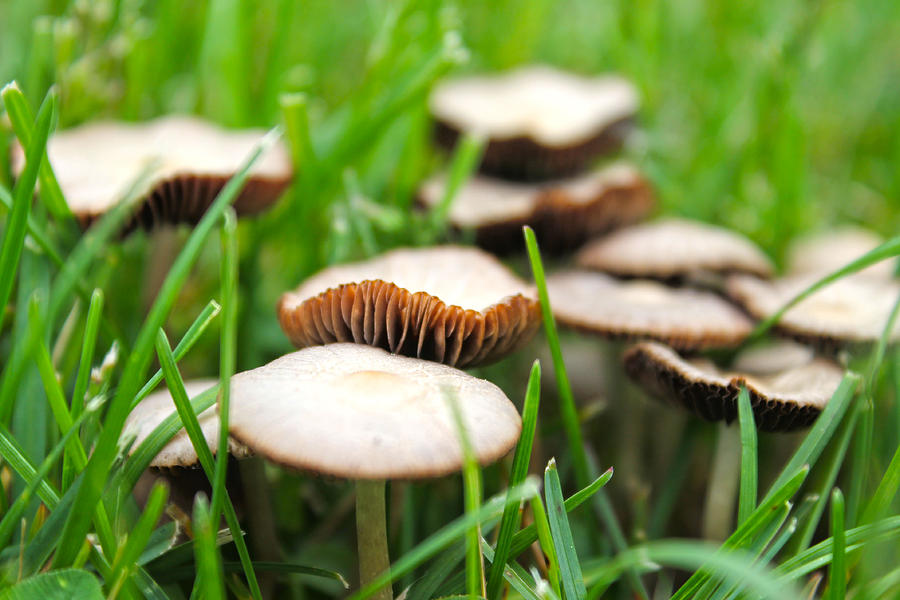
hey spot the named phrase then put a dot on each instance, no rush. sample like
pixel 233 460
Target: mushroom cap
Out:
pixel 788 387
pixel 189 162
pixel 688 319
pixel 827 251
pixel 563 213
pixel 540 122
pixel 358 412
pixel 179 452
pixel 671 248
pixel 852 310
pixel 451 304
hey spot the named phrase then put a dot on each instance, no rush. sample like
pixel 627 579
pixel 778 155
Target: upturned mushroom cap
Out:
pixel 189 162
pixel 540 122
pixel 563 213
pixel 358 412
pixel 852 310
pixel 673 248
pixel 455 305
pixel 828 251
pixel 788 387
pixel 685 318
pixel 179 452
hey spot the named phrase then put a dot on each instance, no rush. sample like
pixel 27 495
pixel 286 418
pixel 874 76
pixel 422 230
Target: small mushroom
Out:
pixel 540 122
pixel 674 249
pixel 847 312
pixel 688 319
pixel 788 387
pixel 563 213
pixel 828 251
pixel 360 413
pixel 455 305
pixel 189 162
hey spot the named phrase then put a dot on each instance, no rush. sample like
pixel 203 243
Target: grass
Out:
pixel 773 120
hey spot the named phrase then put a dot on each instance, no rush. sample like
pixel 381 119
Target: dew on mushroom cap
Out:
pixel 784 396
pixel 642 309
pixel 562 212
pixel 827 251
pixel 848 311
pixel 672 248
pixel 189 161
pixel 358 412
pixel 179 452
pixel 451 304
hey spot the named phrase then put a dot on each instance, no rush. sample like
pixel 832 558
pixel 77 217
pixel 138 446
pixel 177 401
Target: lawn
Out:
pixel 772 119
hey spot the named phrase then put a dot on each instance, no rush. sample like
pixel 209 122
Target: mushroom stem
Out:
pixel 371 535
pixel 723 485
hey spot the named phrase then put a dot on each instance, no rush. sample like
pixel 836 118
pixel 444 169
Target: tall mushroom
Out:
pixel 361 413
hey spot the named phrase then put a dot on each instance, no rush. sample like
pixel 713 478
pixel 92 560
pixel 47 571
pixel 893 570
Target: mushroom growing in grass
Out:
pixel 360 413
pixel 674 249
pixel 540 122
pixel 188 161
pixel 563 213
pixel 455 305
pixel 787 384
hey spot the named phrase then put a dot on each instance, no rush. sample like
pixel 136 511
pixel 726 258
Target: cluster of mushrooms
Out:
pixel 382 342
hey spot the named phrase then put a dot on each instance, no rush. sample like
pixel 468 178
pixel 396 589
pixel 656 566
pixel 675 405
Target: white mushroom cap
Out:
pixel 784 396
pixel 96 163
pixel 451 304
pixel 642 309
pixel 674 247
pixel 179 452
pixel 828 251
pixel 850 310
pixel 359 412
pixel 551 107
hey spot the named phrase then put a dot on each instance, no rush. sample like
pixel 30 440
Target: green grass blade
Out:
pixel 61 584
pixel 837 571
pixel 138 537
pixel 749 479
pixel 16 225
pixel 466 157
pixel 35 230
pixel 545 538
pixel 509 523
pixel 569 568
pixel 89 344
pixel 209 583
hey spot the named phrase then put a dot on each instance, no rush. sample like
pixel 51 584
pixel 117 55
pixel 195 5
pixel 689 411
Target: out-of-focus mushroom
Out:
pixel 674 249
pixel 360 413
pixel 788 387
pixel 563 213
pixel 685 318
pixel 847 312
pixel 540 122
pixel 455 305
pixel 188 162
pixel 828 251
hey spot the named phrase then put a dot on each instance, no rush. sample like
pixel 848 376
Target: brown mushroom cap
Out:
pixel 852 310
pixel 455 305
pixel 179 452
pixel 563 213
pixel 787 391
pixel 540 122
pixel 358 412
pixel 828 251
pixel 189 162
pixel 673 248
pixel 685 318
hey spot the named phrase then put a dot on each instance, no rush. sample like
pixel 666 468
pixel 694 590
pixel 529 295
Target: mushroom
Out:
pixel 455 305
pixel 361 413
pixel 828 251
pixel 674 249
pixel 849 311
pixel 685 318
pixel 788 386
pixel 540 122
pixel 563 213
pixel 189 162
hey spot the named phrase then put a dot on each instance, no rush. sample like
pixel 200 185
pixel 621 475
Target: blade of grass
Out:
pixel 466 157
pixel 209 583
pixel 509 523
pixel 747 501
pixel 837 572
pixel 545 538
pixel 138 536
pixel 569 568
